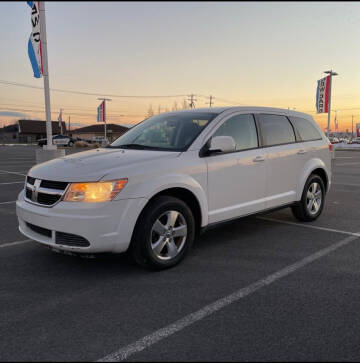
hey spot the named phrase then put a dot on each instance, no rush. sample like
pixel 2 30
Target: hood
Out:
pixel 92 165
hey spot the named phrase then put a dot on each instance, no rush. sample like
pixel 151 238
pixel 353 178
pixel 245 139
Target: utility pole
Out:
pixel 69 126
pixel 45 72
pixel 210 103
pixel 61 122
pixel 105 99
pixel 352 126
pixel 331 73
pixel 335 122
pixel 192 101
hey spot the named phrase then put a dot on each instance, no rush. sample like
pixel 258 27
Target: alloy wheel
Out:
pixel 314 198
pixel 168 235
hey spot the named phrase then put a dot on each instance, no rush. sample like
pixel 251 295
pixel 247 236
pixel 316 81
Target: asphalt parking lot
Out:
pixel 263 288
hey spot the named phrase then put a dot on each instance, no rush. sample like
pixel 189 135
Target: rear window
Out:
pixel 276 130
pixel 306 129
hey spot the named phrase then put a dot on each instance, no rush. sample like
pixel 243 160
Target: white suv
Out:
pixel 157 186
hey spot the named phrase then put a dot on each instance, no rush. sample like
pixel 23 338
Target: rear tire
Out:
pixel 164 233
pixel 312 201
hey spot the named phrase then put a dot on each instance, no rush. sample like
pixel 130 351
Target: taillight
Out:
pixel 330 147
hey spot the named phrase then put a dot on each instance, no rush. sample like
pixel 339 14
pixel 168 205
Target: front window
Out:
pixel 169 131
pixel 242 129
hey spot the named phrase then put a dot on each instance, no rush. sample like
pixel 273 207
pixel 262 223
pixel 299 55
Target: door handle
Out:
pixel 259 158
pixel 301 152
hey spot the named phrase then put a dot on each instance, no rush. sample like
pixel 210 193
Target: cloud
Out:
pixel 13 114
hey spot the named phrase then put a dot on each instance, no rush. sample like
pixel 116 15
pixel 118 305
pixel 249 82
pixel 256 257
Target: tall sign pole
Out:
pixel 45 72
pixel 331 73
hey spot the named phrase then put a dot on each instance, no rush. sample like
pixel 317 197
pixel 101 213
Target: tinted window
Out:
pixel 276 130
pixel 169 131
pixel 306 129
pixel 242 128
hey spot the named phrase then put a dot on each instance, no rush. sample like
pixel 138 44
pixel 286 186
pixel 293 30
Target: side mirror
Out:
pixel 223 144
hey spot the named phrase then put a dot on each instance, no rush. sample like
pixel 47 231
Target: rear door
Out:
pixel 285 158
pixel 311 138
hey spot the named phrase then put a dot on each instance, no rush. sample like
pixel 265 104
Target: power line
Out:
pixel 55 106
pixel 72 113
pixel 236 103
pixel 88 93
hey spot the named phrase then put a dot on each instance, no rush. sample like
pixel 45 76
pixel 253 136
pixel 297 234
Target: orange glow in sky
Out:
pixel 242 53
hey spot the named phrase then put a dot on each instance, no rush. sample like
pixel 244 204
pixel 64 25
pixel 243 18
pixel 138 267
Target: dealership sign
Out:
pixel 34 43
pixel 101 112
pixel 322 95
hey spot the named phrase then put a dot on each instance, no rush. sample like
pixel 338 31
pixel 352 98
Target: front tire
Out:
pixel 312 200
pixel 164 233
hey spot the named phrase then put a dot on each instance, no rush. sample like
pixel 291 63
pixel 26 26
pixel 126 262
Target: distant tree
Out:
pixel 166 109
pixel 175 106
pixel 159 109
pixel 185 105
pixel 150 112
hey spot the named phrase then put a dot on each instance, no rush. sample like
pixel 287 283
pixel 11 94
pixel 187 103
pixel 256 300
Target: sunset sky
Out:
pixel 242 53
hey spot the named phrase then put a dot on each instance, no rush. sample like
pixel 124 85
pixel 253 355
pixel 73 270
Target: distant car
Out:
pixel 85 140
pixel 99 140
pixel 61 140
pixel 334 140
pixel 355 141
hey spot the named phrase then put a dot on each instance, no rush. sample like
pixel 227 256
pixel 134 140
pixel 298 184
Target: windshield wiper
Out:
pixel 136 146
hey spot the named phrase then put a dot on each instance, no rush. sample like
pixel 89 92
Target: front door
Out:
pixel 236 180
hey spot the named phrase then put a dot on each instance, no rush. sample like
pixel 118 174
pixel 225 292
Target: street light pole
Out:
pixel 331 73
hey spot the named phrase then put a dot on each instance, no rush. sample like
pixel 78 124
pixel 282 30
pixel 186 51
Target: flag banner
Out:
pixel 101 112
pixel 322 95
pixel 34 43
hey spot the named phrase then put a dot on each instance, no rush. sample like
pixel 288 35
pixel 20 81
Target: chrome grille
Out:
pixel 44 192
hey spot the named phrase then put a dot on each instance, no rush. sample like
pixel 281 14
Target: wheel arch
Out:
pixel 188 196
pixel 323 175
pixel 314 166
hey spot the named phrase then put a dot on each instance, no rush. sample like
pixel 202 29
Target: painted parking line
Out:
pixel 309 226
pixel 10 244
pixel 346 184
pixel 13 201
pixel 345 164
pixel 17 182
pixel 12 172
pixel 163 333
pixel 345 157
pixel 34 159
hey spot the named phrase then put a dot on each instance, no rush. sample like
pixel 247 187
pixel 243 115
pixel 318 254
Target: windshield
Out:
pixel 170 131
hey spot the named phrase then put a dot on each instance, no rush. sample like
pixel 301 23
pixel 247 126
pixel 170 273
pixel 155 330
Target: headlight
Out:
pixel 94 192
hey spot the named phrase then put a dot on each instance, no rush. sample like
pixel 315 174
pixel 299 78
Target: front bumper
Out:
pixel 107 226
